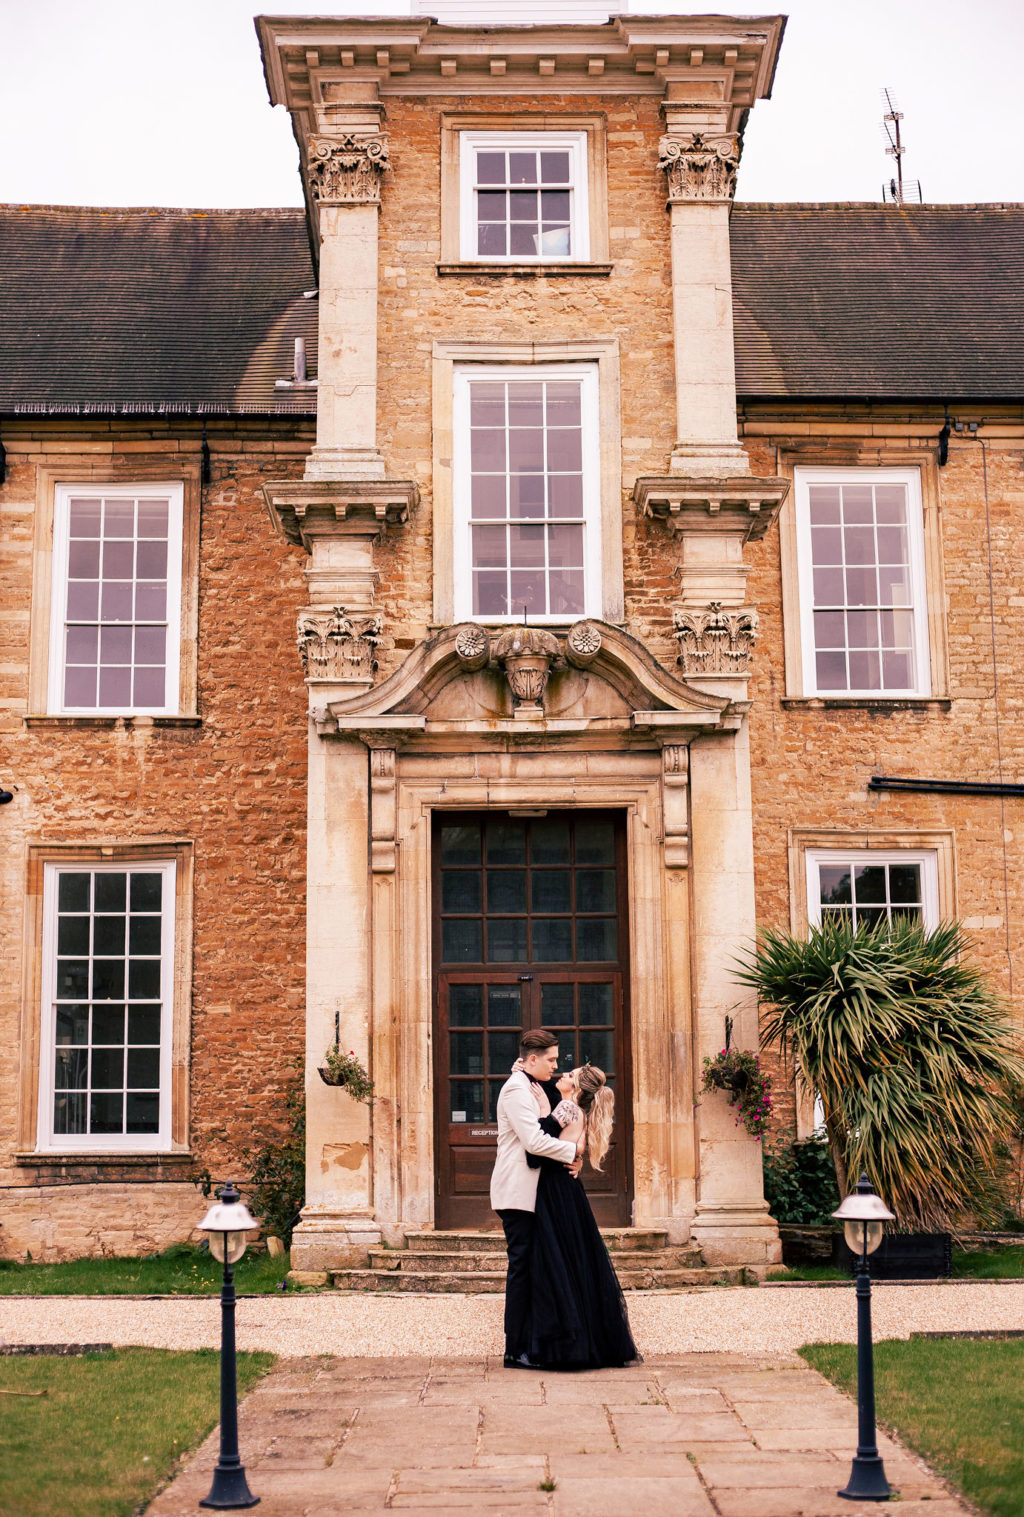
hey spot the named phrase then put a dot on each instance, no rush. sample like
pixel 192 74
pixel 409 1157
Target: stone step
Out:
pixel 433 1261
pixel 473 1282
pixel 470 1242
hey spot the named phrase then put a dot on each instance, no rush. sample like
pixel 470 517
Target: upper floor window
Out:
pixel 866 887
pixel 108 950
pixel 523 196
pixel 527 492
pixel 116 599
pixel 863 608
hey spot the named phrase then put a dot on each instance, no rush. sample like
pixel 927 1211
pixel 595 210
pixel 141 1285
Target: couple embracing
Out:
pixel 564 1308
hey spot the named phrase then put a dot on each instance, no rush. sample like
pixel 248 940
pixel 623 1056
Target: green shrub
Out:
pixel 800 1181
pixel 913 1054
pixel 277 1169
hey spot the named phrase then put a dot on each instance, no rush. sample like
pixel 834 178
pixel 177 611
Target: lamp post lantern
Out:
pixel 227 1223
pixel 863 1215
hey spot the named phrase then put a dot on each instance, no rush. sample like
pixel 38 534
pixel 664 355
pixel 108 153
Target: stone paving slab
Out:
pixel 707 1435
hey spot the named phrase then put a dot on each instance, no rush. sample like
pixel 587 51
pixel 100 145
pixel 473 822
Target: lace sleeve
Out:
pixel 566 1112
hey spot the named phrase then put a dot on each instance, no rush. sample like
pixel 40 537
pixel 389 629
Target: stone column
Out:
pixel 716 633
pixel 700 172
pixel 344 172
pixel 732 1221
pixel 338 524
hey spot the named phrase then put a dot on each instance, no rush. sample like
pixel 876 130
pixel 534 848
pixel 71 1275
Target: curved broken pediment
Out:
pixel 525 679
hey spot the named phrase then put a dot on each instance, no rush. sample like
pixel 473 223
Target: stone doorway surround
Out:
pixel 515 719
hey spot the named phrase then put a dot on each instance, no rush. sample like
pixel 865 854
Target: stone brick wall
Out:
pixel 811 764
pixel 633 304
pixel 234 784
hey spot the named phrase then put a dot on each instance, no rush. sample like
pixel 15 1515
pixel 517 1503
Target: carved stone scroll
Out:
pixel 699 167
pixel 382 810
pixel 675 783
pixel 337 645
pixel 583 644
pixel 714 641
pixel 347 170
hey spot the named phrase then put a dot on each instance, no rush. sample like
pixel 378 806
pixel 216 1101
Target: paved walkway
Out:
pixel 701 1435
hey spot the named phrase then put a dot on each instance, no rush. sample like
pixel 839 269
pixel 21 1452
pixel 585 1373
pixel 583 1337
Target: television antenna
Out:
pixel 897 191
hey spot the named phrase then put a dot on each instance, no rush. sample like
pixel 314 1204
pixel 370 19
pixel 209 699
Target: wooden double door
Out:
pixel 530 930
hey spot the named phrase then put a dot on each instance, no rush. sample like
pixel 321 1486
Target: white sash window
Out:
pixel 116 601
pixel 527 493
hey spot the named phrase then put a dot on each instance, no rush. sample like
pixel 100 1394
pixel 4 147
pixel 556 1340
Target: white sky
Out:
pixel 163 102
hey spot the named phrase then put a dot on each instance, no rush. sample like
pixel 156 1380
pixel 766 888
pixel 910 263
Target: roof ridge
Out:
pixel 877 205
pixel 159 210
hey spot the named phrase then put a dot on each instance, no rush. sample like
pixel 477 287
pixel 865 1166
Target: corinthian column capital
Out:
pixel 699 166
pixel 347 169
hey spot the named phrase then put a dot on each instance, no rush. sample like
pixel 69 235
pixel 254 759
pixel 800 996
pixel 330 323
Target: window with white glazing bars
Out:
pixel 527 493
pixel 116 600
pixel 863 605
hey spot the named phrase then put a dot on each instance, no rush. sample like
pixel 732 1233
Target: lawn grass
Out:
pixel 958 1402
pixel 990 1263
pixel 179 1271
pixel 110 1429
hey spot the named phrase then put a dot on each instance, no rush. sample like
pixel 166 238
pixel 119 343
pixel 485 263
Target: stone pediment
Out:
pixel 517 682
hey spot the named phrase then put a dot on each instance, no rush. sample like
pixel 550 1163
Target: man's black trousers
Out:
pixel 518 1227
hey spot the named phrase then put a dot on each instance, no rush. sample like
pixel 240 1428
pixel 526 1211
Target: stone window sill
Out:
pixel 104 1168
pixel 528 270
pixel 107 722
pixel 866 703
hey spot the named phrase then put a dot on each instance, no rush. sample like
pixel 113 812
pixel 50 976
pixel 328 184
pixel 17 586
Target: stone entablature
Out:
pixel 303 510
pixel 699 166
pixel 348 169
pixel 314 62
pixel 745 506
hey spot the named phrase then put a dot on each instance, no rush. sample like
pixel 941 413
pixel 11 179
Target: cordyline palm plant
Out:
pixel 911 1052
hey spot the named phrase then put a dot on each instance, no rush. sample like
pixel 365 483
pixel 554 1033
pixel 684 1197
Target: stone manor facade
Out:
pixel 620 576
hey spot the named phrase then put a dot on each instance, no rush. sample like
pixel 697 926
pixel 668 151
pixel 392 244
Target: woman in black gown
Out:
pixel 578 1318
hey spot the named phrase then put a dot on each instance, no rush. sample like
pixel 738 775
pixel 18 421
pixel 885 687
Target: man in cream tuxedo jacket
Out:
pixel 514 1183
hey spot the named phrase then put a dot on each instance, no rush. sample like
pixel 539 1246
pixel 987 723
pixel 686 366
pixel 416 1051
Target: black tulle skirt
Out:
pixel 578 1315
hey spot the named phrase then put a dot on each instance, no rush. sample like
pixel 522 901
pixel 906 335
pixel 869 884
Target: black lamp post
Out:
pixel 227 1223
pixel 862 1215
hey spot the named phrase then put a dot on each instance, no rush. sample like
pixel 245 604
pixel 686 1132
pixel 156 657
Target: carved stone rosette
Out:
pixel 347 170
pixel 582 644
pixel 699 167
pixel 526 655
pixel 714 641
pixel 473 647
pixel 337 645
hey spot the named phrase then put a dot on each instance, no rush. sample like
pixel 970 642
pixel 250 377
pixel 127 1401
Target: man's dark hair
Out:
pixel 536 1041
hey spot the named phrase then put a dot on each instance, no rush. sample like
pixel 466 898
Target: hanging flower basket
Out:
pixel 726 1079
pixel 738 1072
pixel 345 1070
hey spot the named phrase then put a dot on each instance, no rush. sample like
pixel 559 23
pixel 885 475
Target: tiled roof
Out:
pixel 197 311
pixel 870 301
pixel 152 310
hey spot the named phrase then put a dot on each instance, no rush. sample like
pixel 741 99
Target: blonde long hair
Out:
pixel 597 1103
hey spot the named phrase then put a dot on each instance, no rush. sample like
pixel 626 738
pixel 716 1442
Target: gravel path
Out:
pixel 769 1320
